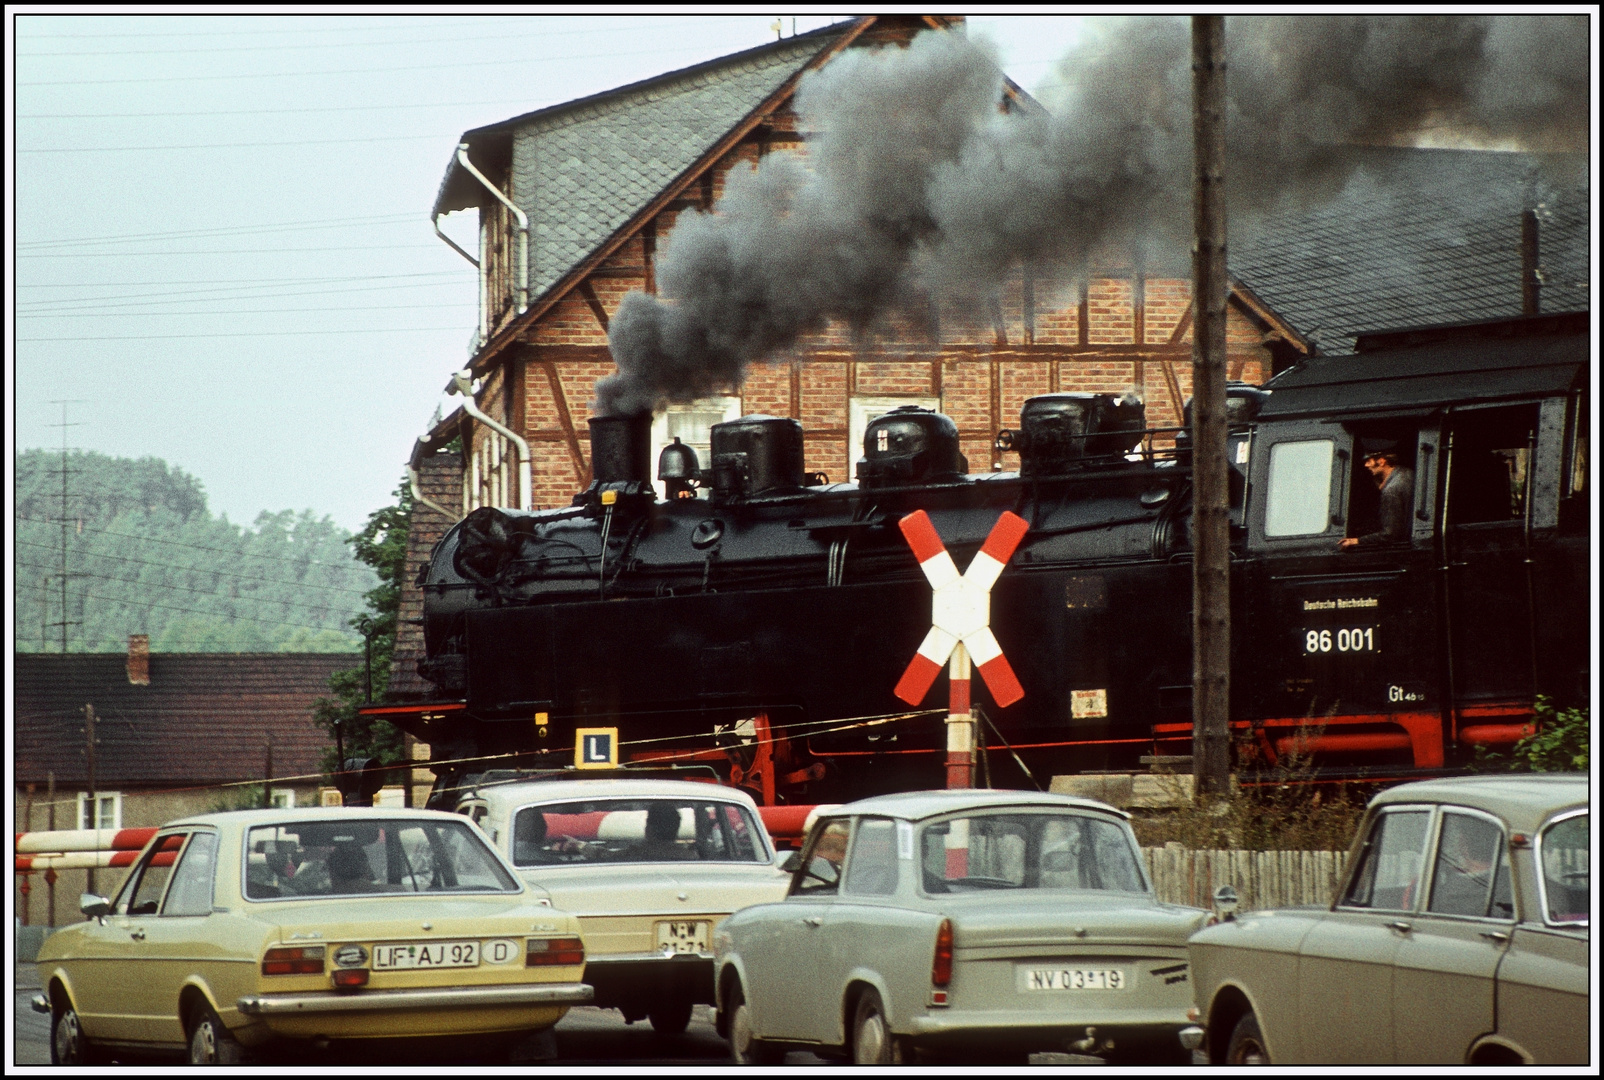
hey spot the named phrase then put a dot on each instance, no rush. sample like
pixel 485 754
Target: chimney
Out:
pixel 139 659
pixel 1531 275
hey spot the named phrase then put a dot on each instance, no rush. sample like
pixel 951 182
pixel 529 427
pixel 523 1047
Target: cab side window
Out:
pixel 1390 864
pixel 151 878
pixel 1567 870
pixel 1489 463
pixel 1298 490
pixel 820 871
pixel 1471 863
pixel 191 890
pixel 873 871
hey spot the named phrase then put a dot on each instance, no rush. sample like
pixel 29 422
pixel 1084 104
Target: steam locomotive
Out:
pixel 758 618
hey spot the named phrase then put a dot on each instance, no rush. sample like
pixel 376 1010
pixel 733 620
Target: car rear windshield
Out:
pixel 634 831
pixel 1029 851
pixel 370 855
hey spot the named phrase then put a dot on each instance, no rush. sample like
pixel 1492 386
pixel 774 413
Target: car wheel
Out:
pixel 68 1045
pixel 1247 1043
pixel 872 1040
pixel 209 1041
pixel 746 1048
pixel 670 1018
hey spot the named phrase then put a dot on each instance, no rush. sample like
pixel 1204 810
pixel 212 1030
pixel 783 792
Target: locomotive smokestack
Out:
pixel 621 448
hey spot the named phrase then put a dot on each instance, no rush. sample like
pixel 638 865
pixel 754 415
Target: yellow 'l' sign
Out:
pixel 596 748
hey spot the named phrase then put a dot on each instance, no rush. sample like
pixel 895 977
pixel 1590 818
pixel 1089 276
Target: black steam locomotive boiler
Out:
pixel 758 619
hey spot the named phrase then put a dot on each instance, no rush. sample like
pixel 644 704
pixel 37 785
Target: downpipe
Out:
pixel 462 383
pixel 523 225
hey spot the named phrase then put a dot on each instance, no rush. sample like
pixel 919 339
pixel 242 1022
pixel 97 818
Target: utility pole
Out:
pixel 94 801
pixel 50 823
pixel 1211 529
pixel 267 782
pixel 63 519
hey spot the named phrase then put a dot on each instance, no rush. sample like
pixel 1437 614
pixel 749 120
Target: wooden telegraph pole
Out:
pixel 1211 553
pixel 94 801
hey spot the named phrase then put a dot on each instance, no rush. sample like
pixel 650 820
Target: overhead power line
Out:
pixel 234 146
pixel 291 604
pixel 75 313
pixel 139 299
pixel 241 282
pixel 198 547
pixel 474 64
pixel 320 249
pixel 230 230
pixel 523 103
pixel 252 333
pixel 212 50
pixel 91 554
pixel 220 614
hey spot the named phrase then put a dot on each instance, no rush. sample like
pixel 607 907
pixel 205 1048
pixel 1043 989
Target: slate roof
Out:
pixel 1418 237
pixel 203 719
pixel 582 169
pixel 440 477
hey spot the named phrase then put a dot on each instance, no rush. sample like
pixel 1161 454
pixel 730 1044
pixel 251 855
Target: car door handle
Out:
pixel 1400 926
pixel 1497 937
pixel 813 920
pixel 137 933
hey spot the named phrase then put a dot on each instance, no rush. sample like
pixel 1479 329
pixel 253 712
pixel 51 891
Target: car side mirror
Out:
pixel 93 907
pixel 824 870
pixel 1225 903
pixel 792 861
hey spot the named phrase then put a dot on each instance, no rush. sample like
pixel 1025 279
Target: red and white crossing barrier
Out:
pixel 82 849
pixel 960 628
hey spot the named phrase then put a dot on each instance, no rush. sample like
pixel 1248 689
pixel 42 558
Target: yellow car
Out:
pixel 237 930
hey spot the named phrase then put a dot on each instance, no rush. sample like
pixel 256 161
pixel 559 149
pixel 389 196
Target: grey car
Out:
pixel 1459 936
pixel 982 924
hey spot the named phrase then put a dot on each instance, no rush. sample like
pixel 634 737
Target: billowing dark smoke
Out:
pixel 916 186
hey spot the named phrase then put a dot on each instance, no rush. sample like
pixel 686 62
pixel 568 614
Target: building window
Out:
pixel 110 806
pixel 283 799
pixel 692 423
pixel 864 409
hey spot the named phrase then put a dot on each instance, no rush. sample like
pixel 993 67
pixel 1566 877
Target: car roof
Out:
pixel 917 805
pixel 523 792
pixel 1523 800
pixel 277 816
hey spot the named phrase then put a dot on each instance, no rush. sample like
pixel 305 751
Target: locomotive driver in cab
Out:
pixel 1397 485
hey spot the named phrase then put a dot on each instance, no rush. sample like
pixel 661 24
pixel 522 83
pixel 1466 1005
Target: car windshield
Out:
pixel 365 856
pixel 1567 878
pixel 635 830
pixel 1015 850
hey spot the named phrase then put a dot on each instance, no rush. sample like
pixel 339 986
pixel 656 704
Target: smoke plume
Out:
pixel 917 187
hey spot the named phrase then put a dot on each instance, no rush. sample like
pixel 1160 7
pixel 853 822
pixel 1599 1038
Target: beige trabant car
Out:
pixel 650 867
pixel 316 926
pixel 1459 936
pixel 987 925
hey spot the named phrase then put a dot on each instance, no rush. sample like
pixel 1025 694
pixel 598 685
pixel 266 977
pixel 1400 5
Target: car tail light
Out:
pixel 941 966
pixel 545 952
pixel 301 960
pixel 350 978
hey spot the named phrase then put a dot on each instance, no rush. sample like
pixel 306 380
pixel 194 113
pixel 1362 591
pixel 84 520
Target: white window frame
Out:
pixel 284 798
pixel 862 410
pixel 116 798
pixel 728 406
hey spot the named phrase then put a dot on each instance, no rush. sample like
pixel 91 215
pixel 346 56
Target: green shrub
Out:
pixel 1560 743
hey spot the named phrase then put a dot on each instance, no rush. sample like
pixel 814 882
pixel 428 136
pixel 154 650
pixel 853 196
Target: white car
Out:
pixel 650 867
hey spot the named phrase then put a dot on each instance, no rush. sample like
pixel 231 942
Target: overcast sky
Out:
pixel 221 242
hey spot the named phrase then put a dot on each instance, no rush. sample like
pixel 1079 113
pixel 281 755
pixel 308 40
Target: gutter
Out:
pixel 523 227
pixel 417 491
pixel 462 383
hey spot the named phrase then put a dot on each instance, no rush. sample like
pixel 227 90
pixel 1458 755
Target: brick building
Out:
pixel 600 182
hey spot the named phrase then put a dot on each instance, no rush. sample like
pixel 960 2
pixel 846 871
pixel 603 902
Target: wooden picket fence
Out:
pixel 1262 879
